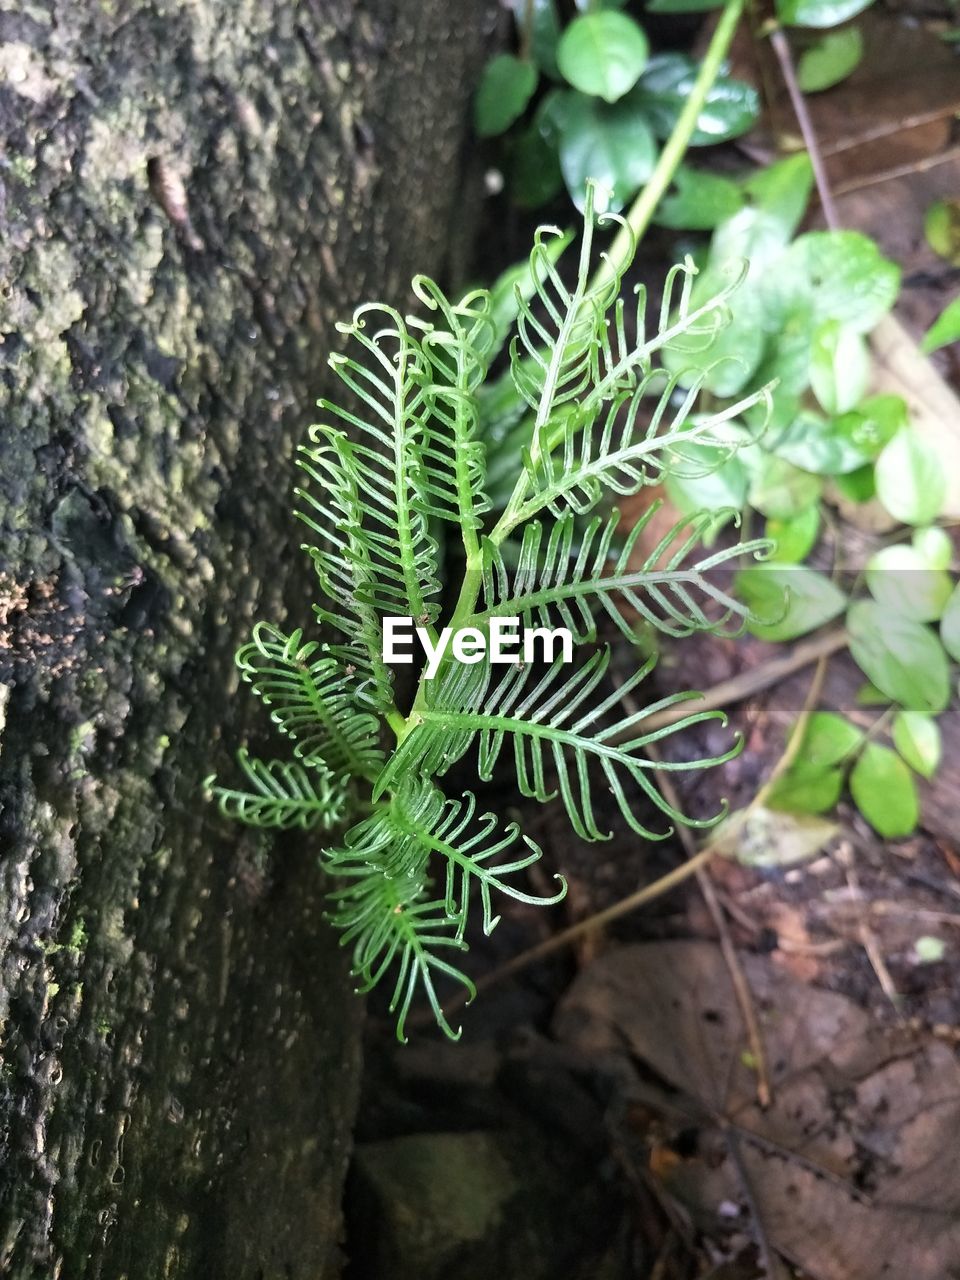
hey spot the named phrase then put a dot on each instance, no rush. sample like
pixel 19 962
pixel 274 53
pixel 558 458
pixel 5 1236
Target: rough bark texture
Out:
pixel 190 195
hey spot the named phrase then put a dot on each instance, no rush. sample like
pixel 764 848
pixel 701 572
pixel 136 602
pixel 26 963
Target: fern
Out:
pixel 389 474
pixel 284 794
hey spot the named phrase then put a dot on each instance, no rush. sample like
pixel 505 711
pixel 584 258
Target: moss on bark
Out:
pixel 190 196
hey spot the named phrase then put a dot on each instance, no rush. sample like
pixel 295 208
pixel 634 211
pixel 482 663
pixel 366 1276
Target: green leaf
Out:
pixel 829 739
pixel 722 484
pixel 602 54
pixel 814 781
pixel 944 330
pixel 731 107
pixel 507 85
pixel 830 59
pixel 827 447
pixel 804 789
pixel 942 228
pixel 698 201
pixel 950 625
pixel 794 537
pixel 839 367
pixel 792 600
pixel 818 13
pixel 781 491
pixel 910 479
pixel 868 695
pixel 780 192
pixel 534 169
pixel 884 790
pixel 933 546
pixel 611 144
pixel 900 579
pixel 901 657
pixel 832 275
pixel 857 486
pixel 917 738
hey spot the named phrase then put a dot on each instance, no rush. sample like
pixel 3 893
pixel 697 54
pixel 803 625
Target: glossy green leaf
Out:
pixel 836 275
pixel 780 490
pixel 944 330
pixel 827 447
pixel 839 366
pixel 610 144
pixel 534 170
pixel 507 85
pixel 830 59
pixel 714 490
pixel 950 625
pixel 901 657
pixel 602 54
pixel 917 738
pixel 698 201
pixel 885 793
pixel 794 537
pixel 818 13
pixel 788 601
pixel 731 108
pixel 781 192
pixel 910 479
pixel 900 579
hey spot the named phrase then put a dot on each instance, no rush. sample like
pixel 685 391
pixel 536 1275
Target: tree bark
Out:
pixel 190 196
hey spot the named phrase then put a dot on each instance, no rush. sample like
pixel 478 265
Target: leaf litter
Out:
pixel 852 1173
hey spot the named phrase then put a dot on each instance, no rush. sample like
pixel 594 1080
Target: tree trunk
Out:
pixel 190 195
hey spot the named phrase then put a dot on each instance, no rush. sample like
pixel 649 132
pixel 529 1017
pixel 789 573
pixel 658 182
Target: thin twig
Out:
pixel 782 49
pixel 868 940
pixel 754 680
pixel 731 957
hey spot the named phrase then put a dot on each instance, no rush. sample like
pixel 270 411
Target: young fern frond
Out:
pixel 312 700
pixel 561 578
pixel 284 794
pixel 630 450
pixel 370 482
pixel 457 355
pixel 558 722
pixel 392 472
pixel 388 920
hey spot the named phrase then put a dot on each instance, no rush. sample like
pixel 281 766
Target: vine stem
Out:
pixel 642 210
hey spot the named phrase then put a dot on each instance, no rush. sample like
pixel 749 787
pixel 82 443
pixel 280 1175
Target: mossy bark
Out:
pixel 190 195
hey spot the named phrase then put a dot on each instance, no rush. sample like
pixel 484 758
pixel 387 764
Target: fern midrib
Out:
pixel 318 703
pixel 606 585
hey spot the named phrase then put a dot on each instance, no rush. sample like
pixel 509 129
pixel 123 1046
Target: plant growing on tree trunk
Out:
pixel 394 473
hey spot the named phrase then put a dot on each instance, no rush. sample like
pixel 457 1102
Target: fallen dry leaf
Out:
pixel 853 1173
